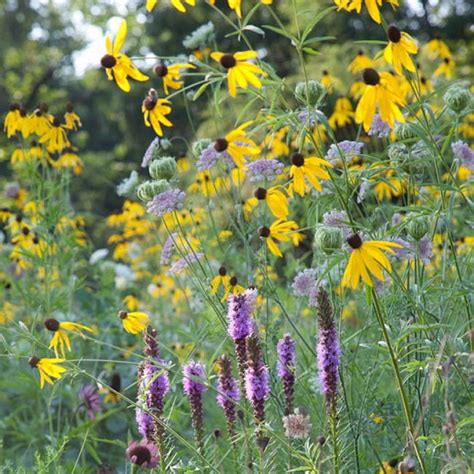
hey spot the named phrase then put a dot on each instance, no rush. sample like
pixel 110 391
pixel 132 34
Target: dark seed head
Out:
pixel 354 241
pixel 122 314
pixel 217 434
pixel 19 217
pixel 44 107
pixel 141 454
pixel 260 193
pixel 51 324
pixel 116 382
pixel 360 52
pixel 33 361
pixel 35 240
pixel 25 231
pixel 297 159
pixel 56 122
pixel 325 72
pixel 321 440
pixel 233 281
pixel 69 107
pixel 394 34
pixel 221 145
pixel 227 61
pixel 446 60
pixel 22 111
pixel 222 271
pixel 108 61
pixel 263 231
pixel 14 106
pixel 423 80
pixel 149 103
pixel 161 70
pixel 371 76
pixel 393 462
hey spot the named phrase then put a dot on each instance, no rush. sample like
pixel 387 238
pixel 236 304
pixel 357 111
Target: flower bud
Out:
pixel 164 168
pixel 200 146
pixel 457 98
pixel 310 92
pixel 398 152
pixel 404 131
pixel 328 239
pixel 418 225
pixel 147 190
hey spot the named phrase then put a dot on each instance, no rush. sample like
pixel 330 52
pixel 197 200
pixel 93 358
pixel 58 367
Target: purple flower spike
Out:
pixel 193 374
pixel 286 369
pixel 241 325
pixel 328 352
pixel 91 399
pixel 143 454
pixel 228 393
pixel 257 388
pixel 303 282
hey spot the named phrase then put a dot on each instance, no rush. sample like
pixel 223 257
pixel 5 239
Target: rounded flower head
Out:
pixel 118 66
pixel 240 72
pixel 262 169
pixel 166 202
pixel 143 454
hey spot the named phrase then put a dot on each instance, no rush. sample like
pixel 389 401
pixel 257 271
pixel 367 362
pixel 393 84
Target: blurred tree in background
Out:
pixel 41 41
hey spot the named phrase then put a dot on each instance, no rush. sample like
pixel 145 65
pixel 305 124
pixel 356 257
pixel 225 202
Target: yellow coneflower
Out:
pixel 329 81
pixel 112 393
pixel 397 52
pixel 118 66
pixel 389 467
pixel 276 201
pixel 41 120
pixel 69 159
pixel 233 287
pixel 280 230
pixel 445 68
pixel 373 6
pixel 71 119
pixel 155 111
pixel 437 48
pixel 131 302
pixel 381 91
pixel 236 5
pixel 134 322
pixel 343 113
pixel 237 144
pixel 359 63
pixel 13 120
pixel 55 138
pixel 240 72
pixel 48 369
pixel 171 75
pixel 178 4
pixel 310 168
pixel 60 337
pixel 387 185
pixel 367 258
pixel 222 278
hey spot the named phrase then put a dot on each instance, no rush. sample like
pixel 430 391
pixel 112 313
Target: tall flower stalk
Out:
pixel 193 377
pixel 241 325
pixel 286 369
pixel 228 393
pixel 257 387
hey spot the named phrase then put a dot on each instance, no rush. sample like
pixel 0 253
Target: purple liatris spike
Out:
pixel 228 393
pixel 328 352
pixel 241 324
pixel 286 369
pixel 257 388
pixel 193 378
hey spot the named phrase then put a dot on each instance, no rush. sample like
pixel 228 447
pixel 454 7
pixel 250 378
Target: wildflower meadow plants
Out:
pixel 290 290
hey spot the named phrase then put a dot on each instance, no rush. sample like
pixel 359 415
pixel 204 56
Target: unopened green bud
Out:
pixel 398 152
pixel 404 131
pixel 328 239
pixel 200 146
pixel 310 92
pixel 457 98
pixel 147 190
pixel 164 168
pixel 418 225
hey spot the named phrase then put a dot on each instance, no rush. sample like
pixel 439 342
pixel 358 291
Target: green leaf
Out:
pixel 311 51
pixel 315 21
